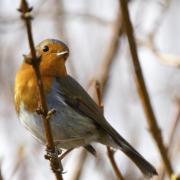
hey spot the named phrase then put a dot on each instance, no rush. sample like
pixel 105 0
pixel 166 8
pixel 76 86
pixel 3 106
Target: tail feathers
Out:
pixel 117 140
pixel 146 168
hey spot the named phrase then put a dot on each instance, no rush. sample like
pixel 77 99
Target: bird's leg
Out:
pixel 90 149
pixel 61 156
pixel 51 155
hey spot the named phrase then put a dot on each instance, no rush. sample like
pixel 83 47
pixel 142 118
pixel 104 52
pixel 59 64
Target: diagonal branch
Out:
pixel 172 134
pixel 52 154
pixel 110 153
pixel 142 90
pixel 111 53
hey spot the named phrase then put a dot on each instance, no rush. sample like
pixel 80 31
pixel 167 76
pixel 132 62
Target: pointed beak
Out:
pixel 63 53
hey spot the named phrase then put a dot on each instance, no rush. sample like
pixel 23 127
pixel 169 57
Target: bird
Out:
pixel 78 120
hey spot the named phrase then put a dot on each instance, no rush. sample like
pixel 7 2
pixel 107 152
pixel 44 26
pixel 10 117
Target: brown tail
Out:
pixel 146 168
pixel 117 141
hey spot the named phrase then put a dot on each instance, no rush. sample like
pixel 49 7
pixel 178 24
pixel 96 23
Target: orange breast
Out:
pixel 26 90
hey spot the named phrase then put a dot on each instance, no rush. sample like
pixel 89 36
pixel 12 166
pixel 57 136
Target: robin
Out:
pixel 78 121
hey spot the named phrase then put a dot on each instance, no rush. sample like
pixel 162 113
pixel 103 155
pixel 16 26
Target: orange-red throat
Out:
pixel 53 55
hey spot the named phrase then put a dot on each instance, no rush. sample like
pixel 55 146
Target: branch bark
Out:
pixel 110 153
pixel 52 153
pixel 142 90
pixel 172 135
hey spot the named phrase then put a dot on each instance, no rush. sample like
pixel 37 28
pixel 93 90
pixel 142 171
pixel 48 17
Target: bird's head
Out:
pixel 53 55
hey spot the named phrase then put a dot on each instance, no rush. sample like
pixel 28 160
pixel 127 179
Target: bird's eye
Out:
pixel 45 48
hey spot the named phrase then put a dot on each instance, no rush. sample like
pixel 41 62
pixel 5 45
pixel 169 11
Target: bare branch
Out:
pixel 52 154
pixel 172 133
pixel 110 153
pixel 164 58
pixel 142 90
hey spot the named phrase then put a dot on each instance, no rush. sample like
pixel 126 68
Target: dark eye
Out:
pixel 45 48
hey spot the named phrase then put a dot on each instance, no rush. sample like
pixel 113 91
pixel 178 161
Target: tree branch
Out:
pixel 110 153
pixel 172 134
pixel 142 90
pixel 52 154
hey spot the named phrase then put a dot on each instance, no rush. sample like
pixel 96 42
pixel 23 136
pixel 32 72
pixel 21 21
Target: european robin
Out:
pixel 78 121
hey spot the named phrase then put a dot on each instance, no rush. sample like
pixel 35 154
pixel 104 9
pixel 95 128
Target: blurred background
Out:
pixel 93 30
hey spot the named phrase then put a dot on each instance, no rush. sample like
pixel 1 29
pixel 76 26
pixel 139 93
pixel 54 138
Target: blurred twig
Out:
pixel 165 4
pixel 164 58
pixel 110 152
pixel 173 131
pixel 52 154
pixel 174 125
pixel 8 21
pixel 144 96
pixel 79 165
pixel 20 158
pixel 111 53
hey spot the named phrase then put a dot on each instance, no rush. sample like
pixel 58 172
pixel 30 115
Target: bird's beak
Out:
pixel 63 53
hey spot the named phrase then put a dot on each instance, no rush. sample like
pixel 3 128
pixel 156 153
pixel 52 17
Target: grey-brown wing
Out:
pixel 75 96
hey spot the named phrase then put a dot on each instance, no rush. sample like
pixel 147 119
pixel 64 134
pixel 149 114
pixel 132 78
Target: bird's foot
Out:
pixel 52 156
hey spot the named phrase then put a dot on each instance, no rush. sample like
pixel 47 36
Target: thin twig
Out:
pixel 8 20
pixel 110 152
pixel 35 61
pixel 111 52
pixel 164 58
pixel 142 90
pixel 79 165
pixel 173 131
pixel 62 156
pixel 174 127
pixel 20 159
pixel 165 4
